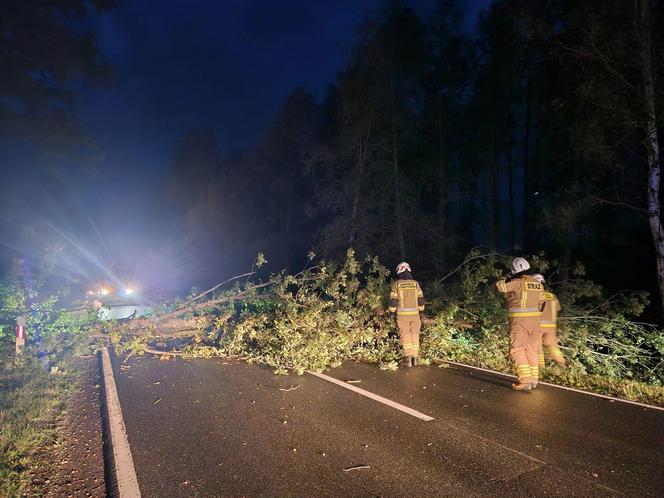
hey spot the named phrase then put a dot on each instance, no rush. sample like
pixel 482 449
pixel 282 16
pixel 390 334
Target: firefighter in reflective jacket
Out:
pixel 525 296
pixel 407 301
pixel 549 325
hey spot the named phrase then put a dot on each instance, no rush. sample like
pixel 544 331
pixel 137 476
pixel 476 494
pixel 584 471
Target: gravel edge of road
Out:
pixel 73 465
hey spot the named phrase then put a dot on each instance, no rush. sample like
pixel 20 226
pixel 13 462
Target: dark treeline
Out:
pixel 535 132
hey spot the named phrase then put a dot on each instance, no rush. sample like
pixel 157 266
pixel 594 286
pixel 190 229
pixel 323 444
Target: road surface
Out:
pixel 219 428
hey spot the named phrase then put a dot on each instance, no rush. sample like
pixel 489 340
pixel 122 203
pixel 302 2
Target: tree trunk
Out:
pixel 356 193
pixel 361 159
pixel 527 174
pixel 566 260
pixel 510 167
pixel 443 186
pixel 493 189
pixel 397 188
pixel 652 142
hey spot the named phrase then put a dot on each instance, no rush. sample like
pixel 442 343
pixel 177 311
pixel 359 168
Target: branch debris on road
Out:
pixel 357 467
pixel 292 388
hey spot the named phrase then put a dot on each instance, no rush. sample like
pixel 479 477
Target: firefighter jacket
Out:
pixel 524 294
pixel 550 314
pixel 406 298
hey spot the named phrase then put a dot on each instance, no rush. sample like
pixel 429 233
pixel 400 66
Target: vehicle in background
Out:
pixel 117 302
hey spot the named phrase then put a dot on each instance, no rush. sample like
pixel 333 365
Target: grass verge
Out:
pixel 31 404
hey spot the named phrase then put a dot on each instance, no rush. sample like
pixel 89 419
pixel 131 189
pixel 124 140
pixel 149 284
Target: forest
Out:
pixel 535 133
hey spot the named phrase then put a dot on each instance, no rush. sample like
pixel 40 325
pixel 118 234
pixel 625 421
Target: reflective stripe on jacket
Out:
pixel 406 298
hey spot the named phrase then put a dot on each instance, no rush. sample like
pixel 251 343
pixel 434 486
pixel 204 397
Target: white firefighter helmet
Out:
pixel 402 267
pixel 539 277
pixel 519 265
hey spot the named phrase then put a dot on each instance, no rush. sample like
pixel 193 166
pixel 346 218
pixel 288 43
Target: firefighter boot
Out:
pixel 522 386
pixel 416 360
pixel 534 376
pixel 407 361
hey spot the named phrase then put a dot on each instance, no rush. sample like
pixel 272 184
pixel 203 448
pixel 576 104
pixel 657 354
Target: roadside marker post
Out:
pixel 20 334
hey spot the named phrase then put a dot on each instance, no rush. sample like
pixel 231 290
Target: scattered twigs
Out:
pixel 357 467
pixel 292 388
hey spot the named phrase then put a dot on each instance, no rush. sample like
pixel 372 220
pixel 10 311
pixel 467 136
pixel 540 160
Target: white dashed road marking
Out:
pixel 375 397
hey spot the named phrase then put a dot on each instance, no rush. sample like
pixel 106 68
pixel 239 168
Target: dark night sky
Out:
pixel 200 63
pixel 203 63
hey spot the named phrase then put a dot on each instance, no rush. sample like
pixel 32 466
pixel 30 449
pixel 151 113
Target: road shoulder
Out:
pixel 73 464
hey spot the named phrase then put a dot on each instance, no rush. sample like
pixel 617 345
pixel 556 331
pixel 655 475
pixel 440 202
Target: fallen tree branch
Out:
pixel 162 353
pixel 213 302
pixel 196 298
pixel 466 261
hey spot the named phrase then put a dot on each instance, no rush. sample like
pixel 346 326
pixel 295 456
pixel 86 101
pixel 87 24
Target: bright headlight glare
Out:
pixel 129 291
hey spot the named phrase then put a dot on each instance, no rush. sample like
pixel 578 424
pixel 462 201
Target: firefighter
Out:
pixel 549 326
pixel 407 301
pixel 525 296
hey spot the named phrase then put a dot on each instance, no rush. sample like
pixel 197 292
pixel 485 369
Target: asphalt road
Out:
pixel 218 428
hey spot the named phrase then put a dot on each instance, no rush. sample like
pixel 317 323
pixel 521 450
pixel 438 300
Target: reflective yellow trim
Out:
pixel 522 372
pixel 548 325
pixel 407 313
pixel 525 313
pixel 555 352
pixel 502 286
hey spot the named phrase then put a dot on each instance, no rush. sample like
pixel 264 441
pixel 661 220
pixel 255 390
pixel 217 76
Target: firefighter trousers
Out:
pixel 550 340
pixel 409 333
pixel 525 343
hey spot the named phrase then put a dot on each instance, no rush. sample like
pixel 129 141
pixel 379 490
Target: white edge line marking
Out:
pixel 125 472
pixel 653 407
pixel 373 396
